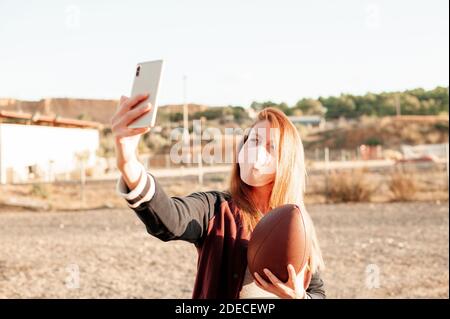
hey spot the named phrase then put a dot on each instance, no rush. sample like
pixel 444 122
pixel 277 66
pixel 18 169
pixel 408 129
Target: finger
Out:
pixel 292 273
pixel 133 101
pixel 259 285
pixel 119 110
pixel 128 104
pixel 136 113
pixel 278 291
pixel 268 288
pixel 261 281
pixel 272 277
pixel 307 279
pixel 136 131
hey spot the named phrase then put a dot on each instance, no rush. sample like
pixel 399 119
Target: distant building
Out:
pixel 83 109
pixel 41 146
pixel 308 120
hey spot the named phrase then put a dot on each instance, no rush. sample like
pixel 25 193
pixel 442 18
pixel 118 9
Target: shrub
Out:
pixel 349 186
pixel 39 190
pixel 403 186
pixel 373 141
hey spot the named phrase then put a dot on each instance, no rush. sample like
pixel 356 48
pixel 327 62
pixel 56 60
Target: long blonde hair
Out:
pixel 289 184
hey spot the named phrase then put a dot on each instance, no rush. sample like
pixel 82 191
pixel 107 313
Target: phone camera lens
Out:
pixel 138 70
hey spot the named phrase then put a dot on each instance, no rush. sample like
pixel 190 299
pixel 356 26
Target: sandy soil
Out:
pixel 406 243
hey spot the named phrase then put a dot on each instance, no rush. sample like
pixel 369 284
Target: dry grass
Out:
pixel 349 186
pixel 40 191
pixel 403 186
pixel 353 186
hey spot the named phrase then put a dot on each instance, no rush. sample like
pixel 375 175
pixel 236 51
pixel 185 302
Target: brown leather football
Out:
pixel 279 239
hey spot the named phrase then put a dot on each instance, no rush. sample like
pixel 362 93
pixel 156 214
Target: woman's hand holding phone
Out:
pixel 127 139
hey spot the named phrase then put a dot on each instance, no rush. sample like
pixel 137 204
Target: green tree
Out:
pixel 257 106
pixel 343 105
pixel 311 107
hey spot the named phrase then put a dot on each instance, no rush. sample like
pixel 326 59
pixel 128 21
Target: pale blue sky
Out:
pixel 233 52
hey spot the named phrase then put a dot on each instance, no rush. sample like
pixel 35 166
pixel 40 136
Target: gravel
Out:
pixel 396 250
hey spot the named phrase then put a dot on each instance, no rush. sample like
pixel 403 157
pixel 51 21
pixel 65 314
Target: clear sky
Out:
pixel 232 52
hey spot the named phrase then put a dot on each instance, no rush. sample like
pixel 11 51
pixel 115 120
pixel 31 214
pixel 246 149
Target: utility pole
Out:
pixel 186 139
pixel 185 105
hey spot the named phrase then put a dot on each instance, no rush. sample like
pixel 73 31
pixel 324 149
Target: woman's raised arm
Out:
pixel 168 218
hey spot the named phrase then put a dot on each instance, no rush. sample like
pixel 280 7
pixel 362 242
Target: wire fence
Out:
pixel 194 163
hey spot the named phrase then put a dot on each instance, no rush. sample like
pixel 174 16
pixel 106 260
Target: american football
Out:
pixel 280 238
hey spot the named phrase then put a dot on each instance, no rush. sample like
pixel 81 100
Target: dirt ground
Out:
pixel 371 250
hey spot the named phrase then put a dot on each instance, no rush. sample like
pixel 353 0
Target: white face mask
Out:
pixel 256 165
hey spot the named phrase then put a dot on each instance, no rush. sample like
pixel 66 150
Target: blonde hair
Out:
pixel 289 184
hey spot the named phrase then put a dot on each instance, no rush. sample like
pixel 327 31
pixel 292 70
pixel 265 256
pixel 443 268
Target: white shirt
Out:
pixel 251 290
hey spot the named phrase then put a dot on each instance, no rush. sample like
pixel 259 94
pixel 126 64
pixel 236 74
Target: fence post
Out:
pixel 82 157
pixel 447 160
pixel 200 168
pixel 327 167
pixel 167 157
pixel 83 182
pixel 50 173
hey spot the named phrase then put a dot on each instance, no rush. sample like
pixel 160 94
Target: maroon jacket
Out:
pixel 212 223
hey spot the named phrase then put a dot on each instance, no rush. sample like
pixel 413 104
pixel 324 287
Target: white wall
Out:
pixel 25 145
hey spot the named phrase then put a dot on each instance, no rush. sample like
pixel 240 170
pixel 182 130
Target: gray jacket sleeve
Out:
pixel 316 289
pixel 176 218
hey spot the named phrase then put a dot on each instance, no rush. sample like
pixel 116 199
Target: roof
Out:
pixel 306 119
pixel 39 119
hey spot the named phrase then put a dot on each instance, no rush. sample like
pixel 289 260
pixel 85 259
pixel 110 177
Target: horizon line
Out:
pixel 233 105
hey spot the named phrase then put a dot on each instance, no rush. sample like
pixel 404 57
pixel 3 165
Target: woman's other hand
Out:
pixel 293 288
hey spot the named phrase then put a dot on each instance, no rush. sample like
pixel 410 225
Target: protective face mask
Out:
pixel 257 166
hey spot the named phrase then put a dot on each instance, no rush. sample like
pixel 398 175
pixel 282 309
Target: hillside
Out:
pixel 86 109
pixel 390 132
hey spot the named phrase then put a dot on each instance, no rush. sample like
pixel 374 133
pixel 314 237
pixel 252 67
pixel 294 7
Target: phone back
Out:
pixel 146 80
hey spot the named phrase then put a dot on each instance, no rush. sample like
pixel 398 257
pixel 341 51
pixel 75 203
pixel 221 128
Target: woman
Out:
pixel 269 172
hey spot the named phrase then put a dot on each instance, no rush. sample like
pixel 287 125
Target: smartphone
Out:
pixel 147 77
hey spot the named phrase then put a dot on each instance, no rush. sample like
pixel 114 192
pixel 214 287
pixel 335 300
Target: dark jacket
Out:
pixel 210 221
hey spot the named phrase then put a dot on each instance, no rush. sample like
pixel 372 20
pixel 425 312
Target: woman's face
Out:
pixel 258 156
